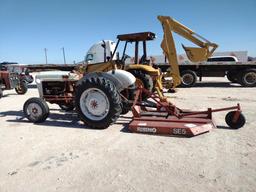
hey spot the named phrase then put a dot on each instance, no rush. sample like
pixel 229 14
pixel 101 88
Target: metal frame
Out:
pixel 66 98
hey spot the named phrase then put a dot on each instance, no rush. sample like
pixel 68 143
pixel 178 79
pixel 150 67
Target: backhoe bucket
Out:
pixel 196 54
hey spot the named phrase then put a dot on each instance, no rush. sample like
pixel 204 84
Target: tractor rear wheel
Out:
pixel 36 110
pixel 22 88
pixel 97 102
pixel 144 80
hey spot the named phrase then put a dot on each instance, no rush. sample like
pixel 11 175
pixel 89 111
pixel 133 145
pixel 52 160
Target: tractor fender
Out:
pixel 121 79
pixel 125 78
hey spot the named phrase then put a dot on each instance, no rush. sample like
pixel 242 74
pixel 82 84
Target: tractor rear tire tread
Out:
pixel 145 78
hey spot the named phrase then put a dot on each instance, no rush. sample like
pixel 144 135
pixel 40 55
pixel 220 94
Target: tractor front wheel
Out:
pixel 36 110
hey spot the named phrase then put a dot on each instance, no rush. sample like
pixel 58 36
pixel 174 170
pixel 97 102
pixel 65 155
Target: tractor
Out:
pixel 96 96
pixel 13 80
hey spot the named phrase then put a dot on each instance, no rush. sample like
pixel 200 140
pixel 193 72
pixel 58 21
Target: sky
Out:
pixel 29 26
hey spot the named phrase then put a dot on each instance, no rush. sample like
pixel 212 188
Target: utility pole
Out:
pixel 64 57
pixel 45 53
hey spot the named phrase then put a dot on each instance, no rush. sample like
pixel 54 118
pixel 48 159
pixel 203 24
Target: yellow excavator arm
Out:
pixel 194 54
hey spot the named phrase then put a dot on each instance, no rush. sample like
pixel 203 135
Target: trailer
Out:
pixel 243 73
pixel 235 65
pixel 38 67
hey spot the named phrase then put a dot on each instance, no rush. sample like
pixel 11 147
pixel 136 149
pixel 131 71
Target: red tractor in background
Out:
pixel 14 79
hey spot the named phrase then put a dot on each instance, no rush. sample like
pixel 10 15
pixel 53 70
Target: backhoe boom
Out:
pixel 194 54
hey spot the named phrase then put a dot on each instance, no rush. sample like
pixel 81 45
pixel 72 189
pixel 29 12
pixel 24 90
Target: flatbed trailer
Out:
pixel 243 73
pixel 50 67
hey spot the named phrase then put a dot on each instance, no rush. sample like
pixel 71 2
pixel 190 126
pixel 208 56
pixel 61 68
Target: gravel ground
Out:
pixel 62 155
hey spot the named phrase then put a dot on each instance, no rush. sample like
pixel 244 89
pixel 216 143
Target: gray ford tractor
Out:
pixel 96 96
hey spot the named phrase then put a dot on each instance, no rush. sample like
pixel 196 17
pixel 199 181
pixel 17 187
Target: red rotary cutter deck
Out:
pixel 162 117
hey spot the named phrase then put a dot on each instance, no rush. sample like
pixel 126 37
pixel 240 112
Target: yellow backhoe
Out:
pixel 194 54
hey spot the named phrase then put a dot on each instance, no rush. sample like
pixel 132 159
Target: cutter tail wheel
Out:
pixel 36 110
pixel 235 119
pixel 97 102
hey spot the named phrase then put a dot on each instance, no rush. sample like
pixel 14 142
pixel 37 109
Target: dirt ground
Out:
pixel 63 155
